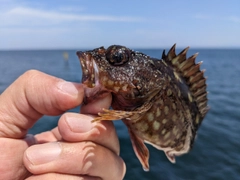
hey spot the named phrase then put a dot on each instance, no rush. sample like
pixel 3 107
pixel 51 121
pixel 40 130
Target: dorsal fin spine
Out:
pixel 163 54
pixel 196 77
pixel 171 53
pixel 183 54
pixel 186 64
pixel 201 97
pixel 200 91
pixel 193 70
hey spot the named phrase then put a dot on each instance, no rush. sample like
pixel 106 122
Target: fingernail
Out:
pixel 43 153
pixel 80 125
pixel 68 88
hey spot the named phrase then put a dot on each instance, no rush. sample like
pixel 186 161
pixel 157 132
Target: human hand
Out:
pixel 83 150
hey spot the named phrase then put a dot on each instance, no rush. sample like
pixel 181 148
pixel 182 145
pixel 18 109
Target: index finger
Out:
pixel 31 96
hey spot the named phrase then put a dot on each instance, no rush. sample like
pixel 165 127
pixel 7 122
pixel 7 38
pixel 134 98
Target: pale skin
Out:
pixel 75 149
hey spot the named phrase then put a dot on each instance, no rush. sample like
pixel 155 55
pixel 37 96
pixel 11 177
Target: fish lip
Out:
pixel 90 77
pixel 90 72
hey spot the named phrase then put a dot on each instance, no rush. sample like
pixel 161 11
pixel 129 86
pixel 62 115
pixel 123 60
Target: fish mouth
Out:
pixel 90 72
pixel 93 89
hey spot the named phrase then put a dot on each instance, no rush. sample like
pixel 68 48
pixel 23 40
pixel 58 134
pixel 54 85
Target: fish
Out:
pixel 161 101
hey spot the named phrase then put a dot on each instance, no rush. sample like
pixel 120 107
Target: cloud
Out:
pixel 71 8
pixel 235 19
pixel 25 15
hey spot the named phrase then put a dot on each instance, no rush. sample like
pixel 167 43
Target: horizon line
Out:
pixel 130 47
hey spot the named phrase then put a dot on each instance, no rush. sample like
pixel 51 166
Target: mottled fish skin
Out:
pixel 162 102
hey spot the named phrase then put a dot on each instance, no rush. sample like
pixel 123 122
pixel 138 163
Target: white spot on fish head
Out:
pixel 163 131
pixel 150 116
pixel 174 118
pixel 166 135
pixel 158 112
pixel 164 121
pixel 166 109
pixel 156 125
pixel 169 92
pixel 110 82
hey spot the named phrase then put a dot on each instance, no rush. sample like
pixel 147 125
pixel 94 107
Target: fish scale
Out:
pixel 161 101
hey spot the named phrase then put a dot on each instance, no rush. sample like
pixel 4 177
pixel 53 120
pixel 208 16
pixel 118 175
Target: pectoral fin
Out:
pixel 108 114
pixel 112 115
pixel 140 150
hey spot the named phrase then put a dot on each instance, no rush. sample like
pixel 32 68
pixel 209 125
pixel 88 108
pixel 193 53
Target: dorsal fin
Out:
pixel 192 74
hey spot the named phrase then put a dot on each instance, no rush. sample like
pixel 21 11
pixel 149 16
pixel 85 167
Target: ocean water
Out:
pixel 216 152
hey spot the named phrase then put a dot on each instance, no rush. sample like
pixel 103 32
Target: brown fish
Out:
pixel 162 102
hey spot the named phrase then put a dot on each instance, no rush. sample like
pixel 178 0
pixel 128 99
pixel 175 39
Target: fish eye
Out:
pixel 117 55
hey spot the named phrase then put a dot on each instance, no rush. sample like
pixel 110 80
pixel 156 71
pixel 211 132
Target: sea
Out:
pixel 216 151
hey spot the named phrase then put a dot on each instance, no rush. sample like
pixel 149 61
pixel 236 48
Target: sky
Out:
pixel 74 24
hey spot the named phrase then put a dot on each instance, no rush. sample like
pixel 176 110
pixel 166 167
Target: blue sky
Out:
pixel 53 24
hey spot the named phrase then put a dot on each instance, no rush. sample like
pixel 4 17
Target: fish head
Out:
pixel 127 74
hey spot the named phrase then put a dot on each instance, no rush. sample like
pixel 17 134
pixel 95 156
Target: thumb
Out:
pixel 31 96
